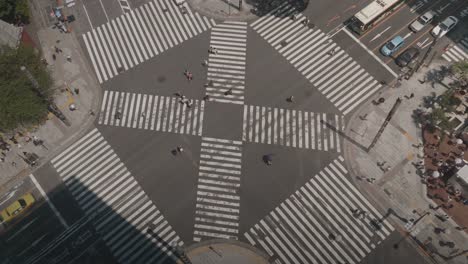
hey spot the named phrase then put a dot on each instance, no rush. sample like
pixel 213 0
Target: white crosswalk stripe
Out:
pixel 153 112
pixel 218 201
pixel 226 66
pixel 329 68
pixel 292 128
pixel 458 52
pixel 128 221
pixel 140 34
pixel 319 223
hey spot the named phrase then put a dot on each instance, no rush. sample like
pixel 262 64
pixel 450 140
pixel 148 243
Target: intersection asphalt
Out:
pixel 128 168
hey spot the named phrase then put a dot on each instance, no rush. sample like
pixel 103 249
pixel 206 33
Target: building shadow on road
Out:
pixel 129 231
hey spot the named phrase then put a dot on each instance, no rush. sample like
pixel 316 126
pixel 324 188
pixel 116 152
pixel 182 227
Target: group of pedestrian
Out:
pixel 381 165
pixel 184 100
pixel 188 75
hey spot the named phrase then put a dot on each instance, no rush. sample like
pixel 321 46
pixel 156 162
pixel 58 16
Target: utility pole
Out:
pixel 51 106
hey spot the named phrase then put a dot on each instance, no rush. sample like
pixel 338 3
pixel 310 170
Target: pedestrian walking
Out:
pixel 228 92
pixel 205 63
pixel 13 164
pixel 69 59
pixel 179 149
pixel 206 98
pixel 77 91
pixel 213 50
pixel 290 99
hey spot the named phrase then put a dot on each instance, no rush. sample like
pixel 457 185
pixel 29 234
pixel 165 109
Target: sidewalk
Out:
pixel 397 184
pixel 68 76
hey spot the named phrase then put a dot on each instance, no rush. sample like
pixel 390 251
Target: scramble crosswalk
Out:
pixel 153 112
pixel 326 221
pixel 218 201
pixel 140 34
pixel 317 57
pixel 226 63
pixel 292 128
pixel 458 52
pixel 128 221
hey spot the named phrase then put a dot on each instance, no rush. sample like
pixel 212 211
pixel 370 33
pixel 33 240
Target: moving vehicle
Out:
pixel 407 56
pixel 392 46
pixel 16 208
pixel 422 21
pixel 372 14
pixel 444 27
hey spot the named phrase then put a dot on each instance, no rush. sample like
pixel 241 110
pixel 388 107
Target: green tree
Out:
pixel 20 104
pixel 14 11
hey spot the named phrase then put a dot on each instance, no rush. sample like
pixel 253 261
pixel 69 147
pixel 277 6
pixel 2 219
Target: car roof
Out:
pixel 429 14
pixel 450 19
pixel 412 50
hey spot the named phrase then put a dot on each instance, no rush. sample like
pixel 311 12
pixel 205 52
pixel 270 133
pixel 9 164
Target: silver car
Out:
pixel 422 21
pixel 443 27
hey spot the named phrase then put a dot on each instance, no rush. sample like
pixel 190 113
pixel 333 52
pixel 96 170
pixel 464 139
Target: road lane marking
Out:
pixel 103 9
pixel 381 33
pixel 89 19
pixel 407 35
pixel 52 206
pixel 371 53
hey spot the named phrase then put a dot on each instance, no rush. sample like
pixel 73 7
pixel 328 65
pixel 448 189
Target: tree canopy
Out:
pixel 14 11
pixel 20 103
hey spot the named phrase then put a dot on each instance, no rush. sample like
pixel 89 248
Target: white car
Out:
pixel 445 26
pixel 422 21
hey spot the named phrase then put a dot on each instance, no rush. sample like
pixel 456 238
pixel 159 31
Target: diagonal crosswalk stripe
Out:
pixel 128 221
pixel 320 60
pixel 327 220
pixel 140 34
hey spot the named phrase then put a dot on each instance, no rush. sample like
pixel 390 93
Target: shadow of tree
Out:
pixel 262 7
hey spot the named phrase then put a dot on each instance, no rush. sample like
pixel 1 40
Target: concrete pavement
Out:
pixel 396 185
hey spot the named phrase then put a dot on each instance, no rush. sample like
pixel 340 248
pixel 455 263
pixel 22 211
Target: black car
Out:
pixel 407 56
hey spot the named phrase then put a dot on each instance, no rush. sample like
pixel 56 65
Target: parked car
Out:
pixel 16 208
pixel 392 46
pixel 422 21
pixel 445 26
pixel 407 56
